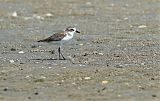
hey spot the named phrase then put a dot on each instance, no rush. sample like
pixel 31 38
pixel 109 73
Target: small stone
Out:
pixel 13 49
pixel 127 83
pixel 64 67
pixel 125 18
pixel 119 66
pixel 38 17
pixel 104 82
pixel 29 97
pixel 33 46
pixel 81 44
pixel 154 95
pixel 49 67
pixel 21 52
pixel 142 26
pixel 100 53
pixel 11 61
pixel 48 14
pixel 27 18
pixel 88 3
pixel 112 5
pixel 81 65
pixel 118 45
pixel 87 78
pixel 5 89
pixel 14 14
pixel 119 95
pixel 36 93
pixel 73 83
pixel 39 80
pixel 142 63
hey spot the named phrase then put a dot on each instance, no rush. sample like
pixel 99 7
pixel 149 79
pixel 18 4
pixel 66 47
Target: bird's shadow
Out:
pixel 49 59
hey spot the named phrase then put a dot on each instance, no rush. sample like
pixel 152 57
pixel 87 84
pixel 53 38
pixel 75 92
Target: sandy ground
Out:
pixel 115 58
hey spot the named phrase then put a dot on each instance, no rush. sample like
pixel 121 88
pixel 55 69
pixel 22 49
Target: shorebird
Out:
pixel 62 36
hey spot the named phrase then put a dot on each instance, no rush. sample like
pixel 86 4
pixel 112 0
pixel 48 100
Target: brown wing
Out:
pixel 54 37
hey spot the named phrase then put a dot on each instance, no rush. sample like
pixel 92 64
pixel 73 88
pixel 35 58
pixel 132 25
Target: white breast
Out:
pixel 68 36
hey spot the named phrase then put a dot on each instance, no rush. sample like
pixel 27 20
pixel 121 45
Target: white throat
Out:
pixel 68 36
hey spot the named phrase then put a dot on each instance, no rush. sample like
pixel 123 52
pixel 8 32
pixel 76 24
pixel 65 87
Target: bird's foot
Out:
pixel 53 52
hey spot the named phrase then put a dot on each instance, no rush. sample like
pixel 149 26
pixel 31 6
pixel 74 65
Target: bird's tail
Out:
pixel 45 40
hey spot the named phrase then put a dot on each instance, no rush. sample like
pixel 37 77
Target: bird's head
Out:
pixel 72 29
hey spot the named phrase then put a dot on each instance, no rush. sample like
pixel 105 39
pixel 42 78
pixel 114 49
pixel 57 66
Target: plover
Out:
pixel 62 36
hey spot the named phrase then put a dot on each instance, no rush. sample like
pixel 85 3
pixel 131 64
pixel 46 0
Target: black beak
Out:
pixel 77 31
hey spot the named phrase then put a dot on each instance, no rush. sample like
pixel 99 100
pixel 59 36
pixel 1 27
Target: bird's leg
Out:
pixel 60 54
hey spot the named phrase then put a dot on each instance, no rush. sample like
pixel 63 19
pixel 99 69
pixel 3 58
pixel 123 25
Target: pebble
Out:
pixel 73 83
pixel 27 18
pixel 118 45
pixel 21 52
pixel 88 3
pixel 64 67
pixel 100 53
pixel 127 83
pixel 81 65
pixel 48 14
pixel 142 26
pixel 36 93
pixel 112 5
pixel 125 18
pixel 49 67
pixel 119 66
pixel 38 17
pixel 13 49
pixel 104 82
pixel 87 78
pixel 11 61
pixel 154 95
pixel 81 44
pixel 14 14
pixel 5 89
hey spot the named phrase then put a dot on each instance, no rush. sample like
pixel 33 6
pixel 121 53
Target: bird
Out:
pixel 61 36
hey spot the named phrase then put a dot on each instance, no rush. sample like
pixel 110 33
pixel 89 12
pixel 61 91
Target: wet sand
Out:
pixel 115 58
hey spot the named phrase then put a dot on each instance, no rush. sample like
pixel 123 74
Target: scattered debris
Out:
pixel 118 45
pixel 64 67
pixel 5 89
pixel 100 53
pixel 36 93
pixel 88 3
pixel 48 14
pixel 81 65
pixel 142 26
pixel 38 17
pixel 13 49
pixel 11 61
pixel 125 18
pixel 14 14
pixel 87 78
pixel 81 44
pixel 104 82
pixel 49 67
pixel 21 52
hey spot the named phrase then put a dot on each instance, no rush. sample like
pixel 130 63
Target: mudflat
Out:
pixel 115 58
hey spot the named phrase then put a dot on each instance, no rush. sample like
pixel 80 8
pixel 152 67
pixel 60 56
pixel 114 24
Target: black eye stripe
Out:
pixel 71 29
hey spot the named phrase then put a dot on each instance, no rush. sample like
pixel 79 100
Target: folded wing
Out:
pixel 54 37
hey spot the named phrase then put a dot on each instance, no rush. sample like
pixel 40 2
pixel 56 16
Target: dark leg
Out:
pixel 60 54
